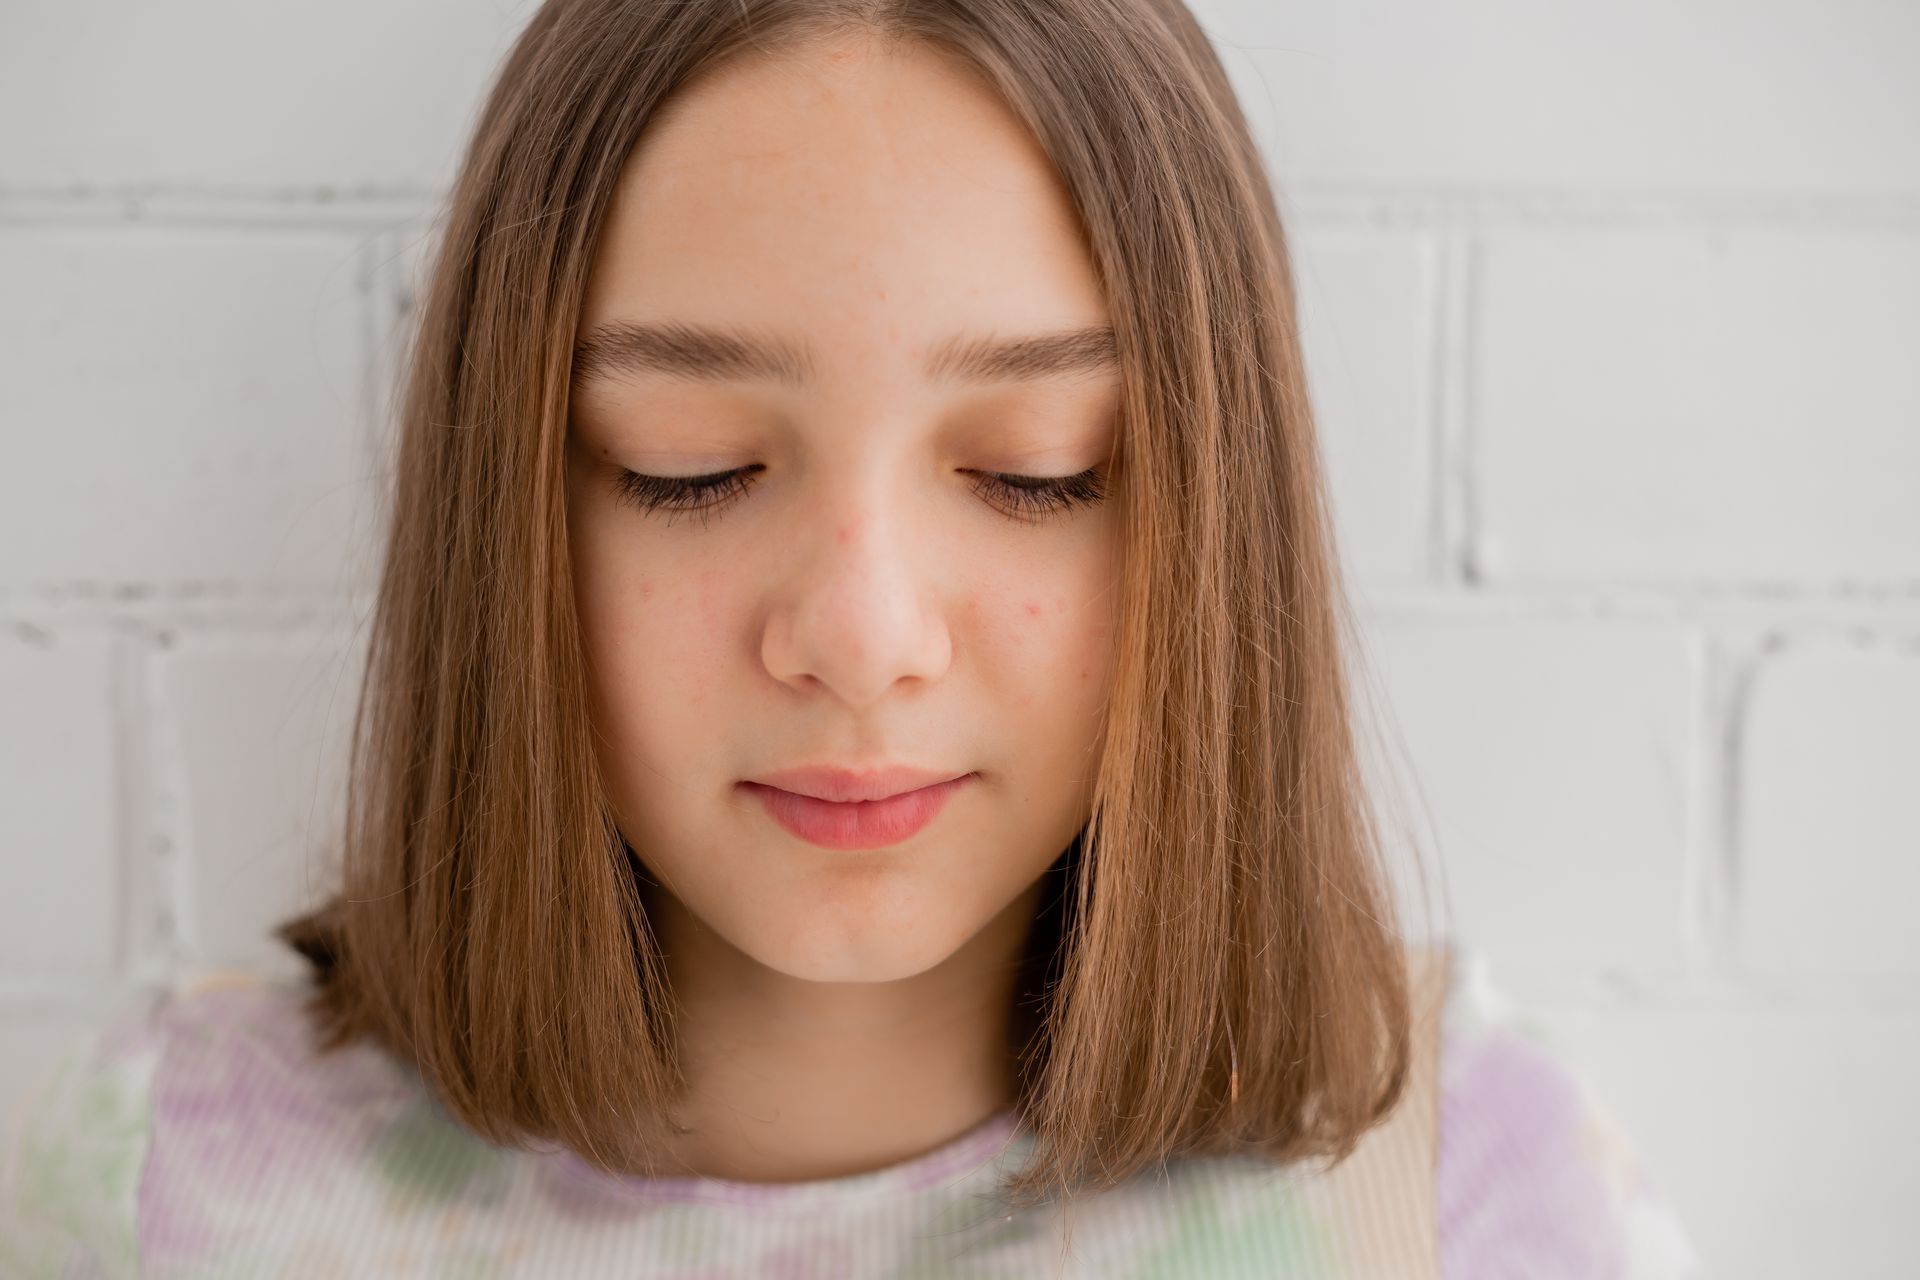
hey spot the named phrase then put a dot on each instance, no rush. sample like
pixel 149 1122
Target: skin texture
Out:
pixel 863 601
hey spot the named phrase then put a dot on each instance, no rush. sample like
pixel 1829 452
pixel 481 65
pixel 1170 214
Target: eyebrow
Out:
pixel 731 353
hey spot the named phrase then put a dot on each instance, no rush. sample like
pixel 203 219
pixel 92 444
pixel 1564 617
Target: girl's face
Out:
pixel 862 592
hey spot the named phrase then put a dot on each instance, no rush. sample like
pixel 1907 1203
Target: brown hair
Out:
pixel 1220 970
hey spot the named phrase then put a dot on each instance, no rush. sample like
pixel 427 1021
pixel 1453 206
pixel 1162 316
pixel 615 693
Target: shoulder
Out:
pixel 1533 1175
pixel 76 1146
pixel 165 1114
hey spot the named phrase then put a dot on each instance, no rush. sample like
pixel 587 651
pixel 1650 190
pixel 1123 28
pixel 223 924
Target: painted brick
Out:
pixel 1695 405
pixel 1829 832
pixel 60 792
pixel 262 728
pixel 1783 1138
pixel 1366 323
pixel 225 93
pixel 180 404
pixel 1551 757
pixel 1682 95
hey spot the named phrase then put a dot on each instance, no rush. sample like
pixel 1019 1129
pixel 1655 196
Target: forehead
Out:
pixel 870 201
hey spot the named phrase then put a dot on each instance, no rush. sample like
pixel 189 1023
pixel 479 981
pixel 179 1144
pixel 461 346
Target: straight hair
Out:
pixel 1217 965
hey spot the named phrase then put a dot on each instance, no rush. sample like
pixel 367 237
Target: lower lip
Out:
pixel 859 824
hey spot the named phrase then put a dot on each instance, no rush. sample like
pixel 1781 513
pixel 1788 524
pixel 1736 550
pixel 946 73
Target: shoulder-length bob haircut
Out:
pixel 1222 970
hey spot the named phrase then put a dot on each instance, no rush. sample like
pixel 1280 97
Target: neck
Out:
pixel 791 1080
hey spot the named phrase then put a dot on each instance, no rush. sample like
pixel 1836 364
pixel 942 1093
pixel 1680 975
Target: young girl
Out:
pixel 855 776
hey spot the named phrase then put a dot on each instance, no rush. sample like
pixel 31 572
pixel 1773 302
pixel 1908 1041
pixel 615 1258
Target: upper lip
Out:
pixel 832 782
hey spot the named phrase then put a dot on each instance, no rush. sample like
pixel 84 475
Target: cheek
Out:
pixel 701 633
pixel 1052 640
pixel 653 635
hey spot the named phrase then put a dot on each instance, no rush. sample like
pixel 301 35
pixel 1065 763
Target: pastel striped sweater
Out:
pixel 191 1135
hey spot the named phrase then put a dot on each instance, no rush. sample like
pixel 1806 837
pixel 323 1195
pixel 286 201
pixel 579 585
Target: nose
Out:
pixel 862 609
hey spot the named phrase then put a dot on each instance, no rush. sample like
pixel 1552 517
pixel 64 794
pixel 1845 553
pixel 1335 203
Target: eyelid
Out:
pixel 1033 497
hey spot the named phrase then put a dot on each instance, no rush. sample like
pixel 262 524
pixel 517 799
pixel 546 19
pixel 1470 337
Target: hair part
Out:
pixel 1222 925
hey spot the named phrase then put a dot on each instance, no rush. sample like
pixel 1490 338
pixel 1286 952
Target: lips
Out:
pixel 856 824
pixel 834 782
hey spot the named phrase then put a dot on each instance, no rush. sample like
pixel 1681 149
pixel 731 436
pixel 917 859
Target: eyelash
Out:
pixel 1034 497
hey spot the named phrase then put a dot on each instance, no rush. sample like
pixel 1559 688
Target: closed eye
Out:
pixel 1029 499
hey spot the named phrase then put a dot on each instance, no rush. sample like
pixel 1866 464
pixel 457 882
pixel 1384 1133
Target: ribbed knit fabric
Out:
pixel 192 1135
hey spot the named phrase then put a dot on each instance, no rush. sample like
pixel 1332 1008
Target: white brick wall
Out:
pixel 1610 312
